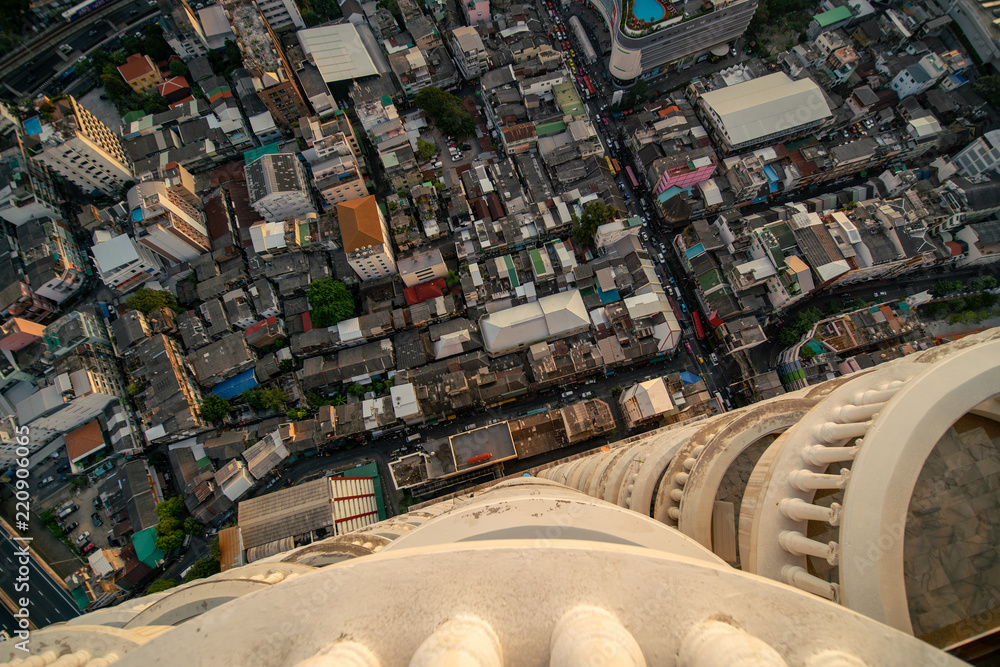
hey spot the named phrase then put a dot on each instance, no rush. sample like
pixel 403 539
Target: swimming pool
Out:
pixel 648 10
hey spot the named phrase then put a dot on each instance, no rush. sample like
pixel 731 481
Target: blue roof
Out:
pixel 687 377
pixel 235 386
pixel 770 173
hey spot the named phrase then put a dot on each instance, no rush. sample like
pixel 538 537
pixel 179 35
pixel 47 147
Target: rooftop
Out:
pixel 769 105
pixel 360 225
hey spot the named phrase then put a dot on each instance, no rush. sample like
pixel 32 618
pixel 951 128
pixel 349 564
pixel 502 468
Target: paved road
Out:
pixel 50 603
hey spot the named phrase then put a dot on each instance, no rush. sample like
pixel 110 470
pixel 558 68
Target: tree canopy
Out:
pixel 207 566
pixel 170 529
pixel 214 409
pixel 594 215
pixel 147 300
pixel 265 399
pixel 426 149
pixel 331 302
pixel 161 585
pixel 446 111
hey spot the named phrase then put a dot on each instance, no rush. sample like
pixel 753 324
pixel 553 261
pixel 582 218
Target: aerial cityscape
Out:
pixel 480 332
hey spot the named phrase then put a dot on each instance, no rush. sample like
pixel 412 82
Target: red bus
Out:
pixel 590 86
pixel 699 331
pixel 618 168
pixel 631 177
pixel 677 311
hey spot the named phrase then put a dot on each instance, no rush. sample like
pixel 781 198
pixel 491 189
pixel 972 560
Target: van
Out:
pixel 567 394
pixel 715 358
pixel 413 438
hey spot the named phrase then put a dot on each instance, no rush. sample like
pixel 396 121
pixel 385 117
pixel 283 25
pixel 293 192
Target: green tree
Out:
pixel 132 44
pixel 171 508
pixel 452 279
pixel 177 68
pixel 233 53
pixel 339 399
pixel 155 45
pixel 594 215
pixel 616 391
pixel 296 414
pixel 161 585
pixel 155 103
pixel 203 567
pixel 147 300
pixel 309 18
pixel 446 111
pixel 331 302
pixel 115 87
pixel 426 149
pixel 192 526
pixel 989 87
pixel 214 409
pixel 286 365
pixel 169 542
pixel 989 282
pixel 357 390
pixel 265 399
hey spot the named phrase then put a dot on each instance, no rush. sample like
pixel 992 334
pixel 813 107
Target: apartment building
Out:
pixel 277 186
pixel 265 61
pixel 166 222
pixel 469 51
pixel 121 263
pixel 73 143
pixel 366 238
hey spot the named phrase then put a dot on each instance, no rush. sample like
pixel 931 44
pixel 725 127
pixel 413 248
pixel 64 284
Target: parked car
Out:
pixel 87 549
pixel 96 518
pixel 567 394
pixel 63 468
pixel 71 527
pixel 82 537
pixel 97 501
pixel 48 480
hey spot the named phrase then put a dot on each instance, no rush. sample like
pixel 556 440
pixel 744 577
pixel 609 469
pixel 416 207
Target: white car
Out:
pixel 82 537
pixel 567 394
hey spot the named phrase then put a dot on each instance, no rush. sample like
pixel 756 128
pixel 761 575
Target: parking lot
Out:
pixel 61 494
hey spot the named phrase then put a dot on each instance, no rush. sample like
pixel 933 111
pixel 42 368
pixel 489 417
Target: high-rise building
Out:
pixel 366 238
pixel 278 187
pixel 264 59
pixel 281 14
pixel 167 222
pixel 73 143
pixel 123 264
pixel 654 38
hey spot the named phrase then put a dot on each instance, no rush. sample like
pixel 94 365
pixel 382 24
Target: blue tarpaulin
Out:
pixel 236 385
pixel 687 377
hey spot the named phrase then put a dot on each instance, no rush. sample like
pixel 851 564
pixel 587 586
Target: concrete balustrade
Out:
pixel 831 432
pixel 798 544
pixel 807 480
pixel 590 635
pixel 717 643
pixel 342 654
pixel 793 575
pixel 462 641
pixel 820 455
pixel 797 509
pixel 859 413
